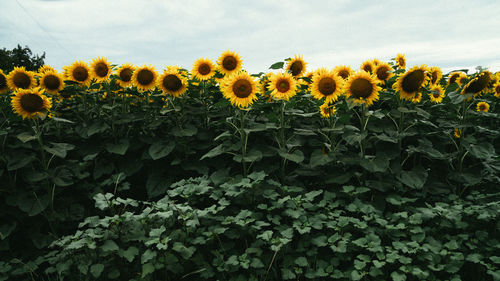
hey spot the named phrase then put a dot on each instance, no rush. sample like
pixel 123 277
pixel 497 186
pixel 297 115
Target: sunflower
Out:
pixel 203 69
pixel 306 80
pixel 376 62
pixel 327 110
pixel 410 83
pixel 240 88
pixel 263 85
pixel 400 61
pixel 462 79
pixel 20 78
pixel 101 69
pixel 383 71
pixel 283 86
pixel 496 89
pixel 367 66
pixel 437 94
pixel 482 106
pixel 4 88
pixel 296 66
pixel 326 84
pixel 229 62
pixel 30 103
pixel 417 98
pixel 79 72
pixel 125 73
pixel 453 77
pixel 344 71
pixel 477 85
pixel 144 78
pixel 435 75
pixel 45 68
pixel 52 82
pixel 457 133
pixel 362 87
pixel 172 82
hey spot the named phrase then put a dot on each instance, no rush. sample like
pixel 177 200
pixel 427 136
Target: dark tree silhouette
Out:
pixel 20 56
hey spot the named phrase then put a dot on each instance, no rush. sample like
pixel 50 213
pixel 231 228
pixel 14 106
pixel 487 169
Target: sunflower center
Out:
pixel 126 74
pixel 296 68
pixel 80 73
pixel 229 63
pixel 326 86
pixel 401 62
pixel 31 103
pixel 413 81
pixel 242 88
pixel 283 86
pixel 361 88
pixel 367 68
pixel 478 84
pixel 382 73
pixel 3 82
pixel 482 107
pixel 52 82
pixel 145 77
pixel 344 74
pixel 101 69
pixel 436 95
pixel 22 80
pixel 434 77
pixel 497 89
pixel 172 83
pixel 453 78
pixel 204 69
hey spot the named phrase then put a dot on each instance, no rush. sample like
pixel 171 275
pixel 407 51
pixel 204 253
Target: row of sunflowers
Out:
pixel 32 91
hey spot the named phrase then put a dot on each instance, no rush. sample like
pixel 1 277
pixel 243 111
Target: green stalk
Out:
pixel 282 140
pixel 244 141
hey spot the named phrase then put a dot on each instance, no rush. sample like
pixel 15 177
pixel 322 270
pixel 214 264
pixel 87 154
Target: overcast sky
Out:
pixel 449 34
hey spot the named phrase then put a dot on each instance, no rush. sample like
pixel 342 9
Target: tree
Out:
pixel 20 56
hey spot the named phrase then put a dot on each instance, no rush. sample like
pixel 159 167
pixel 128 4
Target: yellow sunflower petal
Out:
pixel 100 68
pixel 125 73
pixel 362 88
pixel 30 103
pixel 172 82
pixel 326 84
pixel 203 69
pixel 410 83
pixel 51 81
pixel 229 62
pixel 20 78
pixel 240 89
pixel 144 78
pixel 283 86
pixel 296 66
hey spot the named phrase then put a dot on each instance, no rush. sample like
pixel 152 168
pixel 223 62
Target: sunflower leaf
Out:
pixel 160 149
pixel 278 65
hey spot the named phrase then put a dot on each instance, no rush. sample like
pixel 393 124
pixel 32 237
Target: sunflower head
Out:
pixel 45 68
pixel 30 103
pixel 462 79
pixel 376 62
pixel 144 78
pixel 283 86
pixel 477 85
pixel 482 106
pixel 79 72
pixel 344 71
pixel 4 88
pixel 409 83
pixel 367 66
pixel 383 71
pixel 327 110
pixel 296 66
pixel 52 82
pixel 417 98
pixel 400 60
pixel 326 84
pixel 229 62
pixel 362 88
pixel 101 69
pixel 453 77
pixel 457 133
pixel 496 89
pixel 436 94
pixel 20 78
pixel 435 75
pixel 125 73
pixel 203 69
pixel 240 89
pixel 172 82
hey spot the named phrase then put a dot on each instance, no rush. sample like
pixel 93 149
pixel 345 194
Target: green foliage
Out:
pixel 20 56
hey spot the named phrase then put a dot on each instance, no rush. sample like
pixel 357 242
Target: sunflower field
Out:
pixel 123 172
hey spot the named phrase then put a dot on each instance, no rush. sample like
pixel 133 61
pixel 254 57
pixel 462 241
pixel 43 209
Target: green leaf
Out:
pixel 297 156
pixel 147 268
pixel 62 120
pixel 160 149
pixel 118 148
pixel 256 263
pixel 216 151
pixel 277 65
pixel 415 178
pixel 109 245
pixel 318 158
pixel 186 252
pixel 148 255
pixel 130 253
pixel 59 149
pixel 396 276
pixel 26 137
pixel 484 150
pixel 301 261
pixel 96 270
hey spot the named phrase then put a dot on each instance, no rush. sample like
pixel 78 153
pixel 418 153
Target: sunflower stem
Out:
pixel 282 140
pixel 363 122
pixel 244 141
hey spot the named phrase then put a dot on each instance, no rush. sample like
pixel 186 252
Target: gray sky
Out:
pixel 449 34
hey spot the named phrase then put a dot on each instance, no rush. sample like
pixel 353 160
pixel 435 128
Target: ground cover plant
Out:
pixel 121 172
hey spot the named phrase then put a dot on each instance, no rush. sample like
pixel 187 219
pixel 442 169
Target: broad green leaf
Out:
pixel 415 178
pixel 277 65
pixel 118 148
pixel 297 156
pixel 160 149
pixel 96 270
